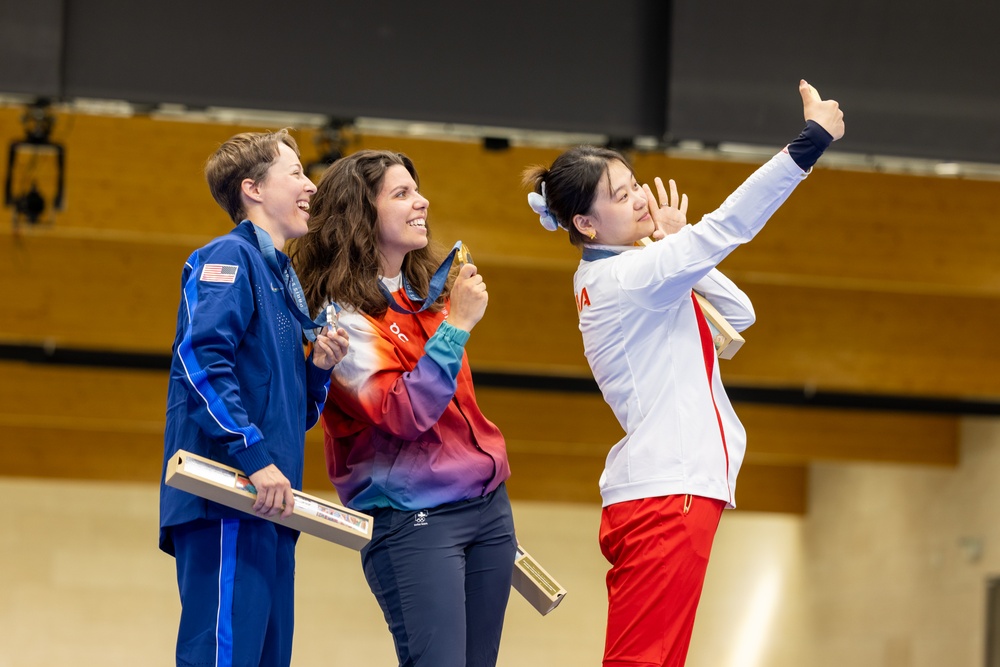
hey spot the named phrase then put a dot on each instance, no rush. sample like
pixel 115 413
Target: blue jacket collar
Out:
pixel 594 252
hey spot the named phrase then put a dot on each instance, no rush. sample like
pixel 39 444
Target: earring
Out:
pixel 592 235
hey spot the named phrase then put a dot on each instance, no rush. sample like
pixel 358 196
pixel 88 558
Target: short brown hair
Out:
pixel 246 155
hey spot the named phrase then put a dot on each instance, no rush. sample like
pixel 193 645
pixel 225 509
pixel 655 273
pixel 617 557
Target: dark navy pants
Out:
pixel 442 577
pixel 236 581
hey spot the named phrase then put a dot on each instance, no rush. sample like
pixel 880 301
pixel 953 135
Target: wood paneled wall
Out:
pixel 95 423
pixel 862 282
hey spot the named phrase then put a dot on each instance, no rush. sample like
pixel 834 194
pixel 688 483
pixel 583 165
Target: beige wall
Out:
pixel 890 551
pixel 876 575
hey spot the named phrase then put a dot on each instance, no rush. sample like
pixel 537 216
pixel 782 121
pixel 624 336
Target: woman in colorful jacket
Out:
pixel 405 440
pixel 651 350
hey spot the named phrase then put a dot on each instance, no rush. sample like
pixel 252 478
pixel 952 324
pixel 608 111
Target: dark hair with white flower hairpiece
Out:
pixel 569 187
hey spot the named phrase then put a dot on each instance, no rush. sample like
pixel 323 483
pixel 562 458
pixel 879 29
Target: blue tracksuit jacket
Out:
pixel 241 389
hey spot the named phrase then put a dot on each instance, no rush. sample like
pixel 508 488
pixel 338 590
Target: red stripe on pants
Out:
pixel 658 549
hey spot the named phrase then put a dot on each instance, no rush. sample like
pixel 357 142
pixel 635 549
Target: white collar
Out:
pixel 393 284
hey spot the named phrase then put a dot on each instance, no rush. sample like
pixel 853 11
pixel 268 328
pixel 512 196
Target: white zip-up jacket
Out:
pixel 652 353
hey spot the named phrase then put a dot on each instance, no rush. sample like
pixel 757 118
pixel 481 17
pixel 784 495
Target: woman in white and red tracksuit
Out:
pixel 650 348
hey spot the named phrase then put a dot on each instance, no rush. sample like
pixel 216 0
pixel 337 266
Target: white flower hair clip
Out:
pixel 538 204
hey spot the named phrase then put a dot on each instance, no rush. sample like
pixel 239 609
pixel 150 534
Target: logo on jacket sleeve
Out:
pixel 582 299
pixel 219 273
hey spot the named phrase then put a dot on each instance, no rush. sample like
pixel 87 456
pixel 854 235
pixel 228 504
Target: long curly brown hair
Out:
pixel 338 258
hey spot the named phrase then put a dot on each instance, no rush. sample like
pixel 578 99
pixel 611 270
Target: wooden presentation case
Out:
pixel 230 487
pixel 535 584
pixel 727 340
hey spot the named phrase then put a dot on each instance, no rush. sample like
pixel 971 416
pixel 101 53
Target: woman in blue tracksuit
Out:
pixel 242 392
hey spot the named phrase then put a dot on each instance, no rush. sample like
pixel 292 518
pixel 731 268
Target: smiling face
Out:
pixel 402 218
pixel 280 202
pixel 620 213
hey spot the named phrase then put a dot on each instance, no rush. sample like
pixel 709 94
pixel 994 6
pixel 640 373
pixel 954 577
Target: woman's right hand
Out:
pixel 670 216
pixel 825 112
pixel 274 493
pixel 468 298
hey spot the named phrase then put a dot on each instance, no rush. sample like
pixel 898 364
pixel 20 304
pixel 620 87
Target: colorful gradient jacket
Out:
pixel 402 427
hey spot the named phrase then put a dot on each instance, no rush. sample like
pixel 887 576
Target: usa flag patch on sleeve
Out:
pixel 219 273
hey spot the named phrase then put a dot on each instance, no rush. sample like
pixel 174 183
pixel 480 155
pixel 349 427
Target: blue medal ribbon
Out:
pixel 294 295
pixel 434 289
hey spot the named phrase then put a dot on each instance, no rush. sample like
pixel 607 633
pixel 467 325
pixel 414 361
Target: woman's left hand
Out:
pixel 329 348
pixel 670 215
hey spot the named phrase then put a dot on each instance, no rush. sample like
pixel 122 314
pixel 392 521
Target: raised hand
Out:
pixel 468 298
pixel 825 112
pixel 670 215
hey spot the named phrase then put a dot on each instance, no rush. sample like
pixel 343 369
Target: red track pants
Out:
pixel 658 549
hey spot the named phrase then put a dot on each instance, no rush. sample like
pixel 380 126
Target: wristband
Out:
pixel 809 145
